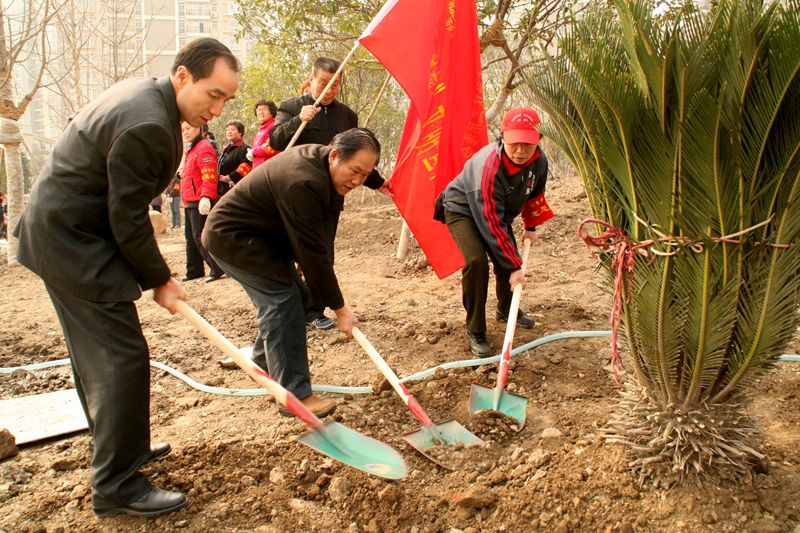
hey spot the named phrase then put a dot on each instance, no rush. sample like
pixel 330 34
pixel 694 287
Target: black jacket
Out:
pixel 333 118
pixel 233 163
pixel 276 215
pixel 86 228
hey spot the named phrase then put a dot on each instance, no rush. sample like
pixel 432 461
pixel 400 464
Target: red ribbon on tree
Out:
pixel 624 252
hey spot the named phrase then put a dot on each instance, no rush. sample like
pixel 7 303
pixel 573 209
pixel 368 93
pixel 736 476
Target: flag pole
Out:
pixel 319 99
pixel 378 98
pixel 402 245
pixel 371 112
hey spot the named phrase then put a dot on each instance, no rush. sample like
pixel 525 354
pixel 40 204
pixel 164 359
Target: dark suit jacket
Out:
pixel 277 215
pixel 86 228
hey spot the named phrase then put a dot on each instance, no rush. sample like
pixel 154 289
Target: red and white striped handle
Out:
pixel 387 371
pixel 511 327
pixel 283 396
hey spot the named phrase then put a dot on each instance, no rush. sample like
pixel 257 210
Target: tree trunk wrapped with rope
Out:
pixel 686 136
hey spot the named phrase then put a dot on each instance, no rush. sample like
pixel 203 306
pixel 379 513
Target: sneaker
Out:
pixel 523 320
pixel 319 406
pixel 322 322
pixel 479 345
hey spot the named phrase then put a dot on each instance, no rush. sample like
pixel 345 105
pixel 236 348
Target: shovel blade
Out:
pixel 512 405
pixel 357 450
pixel 449 433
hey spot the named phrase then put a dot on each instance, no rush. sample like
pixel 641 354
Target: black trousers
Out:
pixel 475 275
pixel 111 367
pixel 195 253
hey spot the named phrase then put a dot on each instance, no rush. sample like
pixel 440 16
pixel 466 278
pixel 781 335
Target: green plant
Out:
pixel 686 134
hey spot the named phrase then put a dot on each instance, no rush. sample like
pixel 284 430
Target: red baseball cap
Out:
pixel 520 125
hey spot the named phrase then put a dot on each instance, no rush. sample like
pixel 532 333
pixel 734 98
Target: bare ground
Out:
pixel 238 462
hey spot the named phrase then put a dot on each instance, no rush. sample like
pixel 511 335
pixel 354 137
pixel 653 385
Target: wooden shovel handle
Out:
pixel 412 403
pixel 516 298
pixel 283 396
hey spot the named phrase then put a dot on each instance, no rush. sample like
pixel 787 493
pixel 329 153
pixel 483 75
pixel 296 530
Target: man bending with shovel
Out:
pixel 499 182
pixel 279 214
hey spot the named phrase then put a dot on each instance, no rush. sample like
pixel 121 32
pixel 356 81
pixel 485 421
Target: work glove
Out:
pixel 249 154
pixel 204 206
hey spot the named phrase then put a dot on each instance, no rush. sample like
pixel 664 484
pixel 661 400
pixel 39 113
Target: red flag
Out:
pixel 431 48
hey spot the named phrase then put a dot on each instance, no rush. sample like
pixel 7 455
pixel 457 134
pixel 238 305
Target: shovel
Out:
pixel 331 438
pixel 449 433
pixel 497 399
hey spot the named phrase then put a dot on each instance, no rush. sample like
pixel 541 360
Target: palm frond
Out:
pixel 688 133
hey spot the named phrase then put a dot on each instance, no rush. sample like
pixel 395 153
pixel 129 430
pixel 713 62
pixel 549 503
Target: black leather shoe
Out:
pixel 159 449
pixel 479 345
pixel 523 320
pixel 190 278
pixel 155 502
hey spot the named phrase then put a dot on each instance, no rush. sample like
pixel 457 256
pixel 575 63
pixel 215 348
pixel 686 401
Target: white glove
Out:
pixel 204 206
pixel 249 154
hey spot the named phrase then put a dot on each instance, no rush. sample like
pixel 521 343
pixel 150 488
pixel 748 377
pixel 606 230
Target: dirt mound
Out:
pixel 242 469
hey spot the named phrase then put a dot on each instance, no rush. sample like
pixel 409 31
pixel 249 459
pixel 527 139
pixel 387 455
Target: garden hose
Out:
pixel 225 391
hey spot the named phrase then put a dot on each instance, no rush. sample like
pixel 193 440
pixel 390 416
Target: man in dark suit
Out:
pixel 323 123
pixel 276 215
pixel 87 234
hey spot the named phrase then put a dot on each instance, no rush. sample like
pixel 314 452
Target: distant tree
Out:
pixel 24 53
pixel 100 47
pixel 513 33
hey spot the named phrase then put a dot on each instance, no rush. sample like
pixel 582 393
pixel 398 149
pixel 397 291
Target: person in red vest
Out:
pixel 198 191
pixel 500 181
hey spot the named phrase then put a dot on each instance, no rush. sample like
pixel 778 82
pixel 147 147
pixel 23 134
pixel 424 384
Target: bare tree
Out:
pixel 509 41
pixel 103 43
pixel 24 50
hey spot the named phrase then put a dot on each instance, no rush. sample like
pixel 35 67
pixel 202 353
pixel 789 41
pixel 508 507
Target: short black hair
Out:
pixel 200 55
pixel 239 125
pixel 273 109
pixel 325 63
pixel 351 141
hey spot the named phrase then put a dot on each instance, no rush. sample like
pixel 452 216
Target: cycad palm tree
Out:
pixel 687 133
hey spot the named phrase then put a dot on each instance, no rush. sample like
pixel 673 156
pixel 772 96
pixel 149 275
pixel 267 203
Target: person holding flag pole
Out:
pixel 315 118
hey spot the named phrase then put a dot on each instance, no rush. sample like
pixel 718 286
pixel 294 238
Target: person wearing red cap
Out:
pixel 498 183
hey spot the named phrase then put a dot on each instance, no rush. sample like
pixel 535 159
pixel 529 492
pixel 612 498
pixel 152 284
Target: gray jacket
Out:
pixel 486 192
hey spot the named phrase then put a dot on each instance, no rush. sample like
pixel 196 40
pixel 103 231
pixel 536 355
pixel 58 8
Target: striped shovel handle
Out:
pixel 412 403
pixel 511 327
pixel 283 396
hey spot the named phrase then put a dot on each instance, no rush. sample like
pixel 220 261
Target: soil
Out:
pixel 242 469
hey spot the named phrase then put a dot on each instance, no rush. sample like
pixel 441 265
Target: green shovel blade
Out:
pixel 357 450
pixel 512 405
pixel 448 433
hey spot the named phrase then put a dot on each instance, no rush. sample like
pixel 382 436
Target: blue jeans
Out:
pixel 281 339
pixel 175 205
